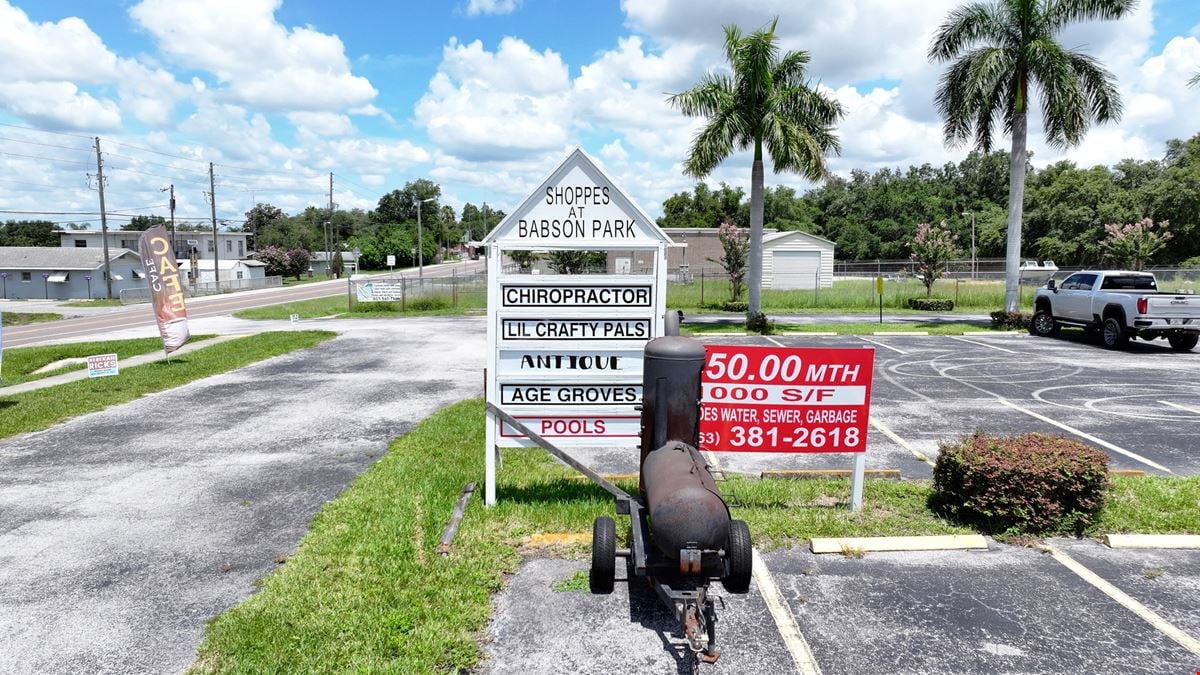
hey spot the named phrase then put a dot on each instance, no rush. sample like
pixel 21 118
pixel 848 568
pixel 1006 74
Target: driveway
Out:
pixel 122 532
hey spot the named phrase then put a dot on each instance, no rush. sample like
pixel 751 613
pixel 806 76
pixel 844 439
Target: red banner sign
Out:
pixel 767 399
pixel 166 293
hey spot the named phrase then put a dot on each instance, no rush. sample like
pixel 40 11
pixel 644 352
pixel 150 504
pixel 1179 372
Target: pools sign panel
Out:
pixel 565 351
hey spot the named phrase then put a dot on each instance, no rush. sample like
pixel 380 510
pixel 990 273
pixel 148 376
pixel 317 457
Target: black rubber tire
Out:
pixel 604 556
pixel 1043 324
pixel 1113 333
pixel 1183 343
pixel 739 558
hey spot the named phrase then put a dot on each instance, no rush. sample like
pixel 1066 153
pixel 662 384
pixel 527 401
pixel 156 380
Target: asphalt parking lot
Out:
pixel 1003 610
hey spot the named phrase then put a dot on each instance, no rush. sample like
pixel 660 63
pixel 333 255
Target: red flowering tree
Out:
pixel 933 248
pixel 736 248
pixel 1133 244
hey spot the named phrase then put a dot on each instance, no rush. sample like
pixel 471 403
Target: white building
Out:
pixel 36 272
pixel 231 245
pixel 231 270
pixel 797 260
pixel 321 259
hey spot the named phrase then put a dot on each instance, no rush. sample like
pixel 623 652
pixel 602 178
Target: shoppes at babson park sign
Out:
pixel 565 350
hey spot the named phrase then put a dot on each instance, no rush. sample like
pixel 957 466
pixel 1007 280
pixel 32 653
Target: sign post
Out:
pixel 798 400
pixel 565 351
pixel 879 292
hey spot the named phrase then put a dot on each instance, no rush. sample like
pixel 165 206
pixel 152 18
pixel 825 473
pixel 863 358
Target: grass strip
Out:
pixel 1151 505
pixel 866 328
pixel 25 318
pixel 438 305
pixel 712 293
pixel 20 362
pixel 39 409
pixel 97 302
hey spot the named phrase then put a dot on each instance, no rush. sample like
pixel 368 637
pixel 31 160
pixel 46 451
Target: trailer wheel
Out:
pixel 739 558
pixel 1183 343
pixel 604 556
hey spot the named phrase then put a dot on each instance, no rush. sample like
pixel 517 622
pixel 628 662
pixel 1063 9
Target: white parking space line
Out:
pixel 984 344
pixel 789 630
pixel 1180 407
pixel 1143 612
pixel 900 441
pixel 875 342
pixel 775 342
pixel 1086 436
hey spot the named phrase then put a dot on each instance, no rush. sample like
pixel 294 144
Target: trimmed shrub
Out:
pixel 759 323
pixel 931 304
pixel 1017 320
pixel 735 306
pixel 1032 483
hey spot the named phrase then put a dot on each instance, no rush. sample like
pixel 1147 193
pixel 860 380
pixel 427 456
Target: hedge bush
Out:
pixel 1017 320
pixel 1032 483
pixel 931 304
pixel 735 306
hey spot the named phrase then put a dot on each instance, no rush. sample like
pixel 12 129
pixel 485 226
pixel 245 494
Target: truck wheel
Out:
pixel 1113 333
pixel 604 556
pixel 1043 324
pixel 1183 343
pixel 739 558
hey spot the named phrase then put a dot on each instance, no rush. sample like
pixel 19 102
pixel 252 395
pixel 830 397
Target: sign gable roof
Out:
pixel 578 207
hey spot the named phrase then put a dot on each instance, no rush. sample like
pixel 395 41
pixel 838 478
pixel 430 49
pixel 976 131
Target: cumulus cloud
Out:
pixel 477 7
pixel 502 105
pixel 261 62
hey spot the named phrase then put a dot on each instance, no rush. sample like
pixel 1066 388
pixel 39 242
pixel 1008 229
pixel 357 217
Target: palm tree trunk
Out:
pixel 756 231
pixel 1016 205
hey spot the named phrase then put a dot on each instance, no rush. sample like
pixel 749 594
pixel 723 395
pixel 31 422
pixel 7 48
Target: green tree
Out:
pixel 523 259
pixel 997 49
pixel 932 249
pixel 338 264
pixel 734 247
pixel 28 233
pixel 576 262
pixel 143 223
pixel 400 206
pixel 765 100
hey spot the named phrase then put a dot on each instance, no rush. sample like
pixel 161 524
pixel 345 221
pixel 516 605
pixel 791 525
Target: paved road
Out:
pixel 122 533
pixel 217 305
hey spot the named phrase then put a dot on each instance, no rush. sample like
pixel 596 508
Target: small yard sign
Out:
pixel 102 365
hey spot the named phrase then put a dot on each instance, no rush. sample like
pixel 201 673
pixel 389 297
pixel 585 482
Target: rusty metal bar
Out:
pixel 455 518
pixel 552 449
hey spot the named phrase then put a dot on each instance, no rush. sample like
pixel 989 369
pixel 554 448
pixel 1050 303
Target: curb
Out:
pixel 901 333
pixel 802 474
pixel 944 542
pixel 1188 541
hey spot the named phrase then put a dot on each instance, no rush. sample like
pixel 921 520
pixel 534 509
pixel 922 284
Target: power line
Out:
pixel 45 131
pixel 146 161
pixel 46 145
pixel 157 152
pixel 48 159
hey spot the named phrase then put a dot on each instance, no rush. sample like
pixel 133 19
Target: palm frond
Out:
pixel 790 69
pixel 1195 80
pixel 1099 87
pixel 713 93
pixel 714 143
pixel 969 95
pixel 1059 13
pixel 968 25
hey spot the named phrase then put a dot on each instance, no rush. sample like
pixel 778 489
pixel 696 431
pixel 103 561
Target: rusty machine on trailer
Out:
pixel 682 537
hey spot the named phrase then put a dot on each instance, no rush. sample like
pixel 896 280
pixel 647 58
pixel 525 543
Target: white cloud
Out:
pixel 317 124
pixel 262 63
pixel 59 105
pixel 502 105
pixel 477 7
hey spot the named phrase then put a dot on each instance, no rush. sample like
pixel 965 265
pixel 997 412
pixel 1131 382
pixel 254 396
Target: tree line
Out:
pixel 871 215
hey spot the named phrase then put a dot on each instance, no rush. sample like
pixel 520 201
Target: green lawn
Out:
pixel 39 409
pixel 841 328
pixel 441 304
pixel 98 302
pixel 24 318
pixel 851 295
pixel 366 591
pixel 20 362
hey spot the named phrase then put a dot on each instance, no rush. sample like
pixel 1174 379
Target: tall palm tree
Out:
pixel 765 100
pixel 999 48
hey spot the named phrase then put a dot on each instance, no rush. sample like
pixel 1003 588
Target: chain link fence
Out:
pixel 402 292
pixel 133 296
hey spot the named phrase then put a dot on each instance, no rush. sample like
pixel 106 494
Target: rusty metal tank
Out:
pixel 671 393
pixel 686 509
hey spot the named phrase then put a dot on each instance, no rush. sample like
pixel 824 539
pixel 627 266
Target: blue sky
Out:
pixel 483 96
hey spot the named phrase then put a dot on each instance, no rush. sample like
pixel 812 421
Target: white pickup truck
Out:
pixel 1119 305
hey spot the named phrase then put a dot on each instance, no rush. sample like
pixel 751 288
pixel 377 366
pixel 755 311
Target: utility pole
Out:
pixel 328 238
pixel 212 202
pixel 174 242
pixel 103 220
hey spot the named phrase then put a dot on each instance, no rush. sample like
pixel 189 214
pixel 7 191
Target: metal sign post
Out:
pixel 565 351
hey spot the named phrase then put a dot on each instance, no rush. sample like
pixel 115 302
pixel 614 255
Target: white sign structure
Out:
pixel 565 351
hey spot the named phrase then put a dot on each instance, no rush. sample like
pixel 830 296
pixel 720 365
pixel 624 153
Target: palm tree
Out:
pixel 766 100
pixel 999 48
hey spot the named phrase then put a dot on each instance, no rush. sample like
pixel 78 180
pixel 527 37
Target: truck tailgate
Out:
pixel 1173 306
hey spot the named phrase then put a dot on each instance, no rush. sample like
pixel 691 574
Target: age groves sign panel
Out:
pixel 565 350
pixel 766 399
